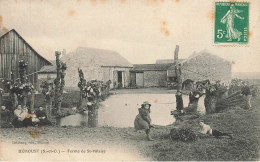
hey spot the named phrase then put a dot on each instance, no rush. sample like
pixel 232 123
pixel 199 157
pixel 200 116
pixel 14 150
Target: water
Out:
pixel 120 110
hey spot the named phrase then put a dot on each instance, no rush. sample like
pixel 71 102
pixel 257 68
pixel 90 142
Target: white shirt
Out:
pixel 17 112
pixel 206 129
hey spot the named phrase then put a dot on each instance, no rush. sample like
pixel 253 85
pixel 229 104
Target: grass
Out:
pixel 245 125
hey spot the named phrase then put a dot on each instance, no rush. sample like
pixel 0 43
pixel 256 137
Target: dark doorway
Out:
pixel 120 79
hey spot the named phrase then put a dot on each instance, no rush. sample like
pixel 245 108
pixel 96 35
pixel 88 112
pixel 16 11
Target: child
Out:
pixel 206 129
pixel 143 119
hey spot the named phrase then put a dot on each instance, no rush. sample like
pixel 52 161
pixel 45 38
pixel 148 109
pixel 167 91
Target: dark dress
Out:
pixel 143 119
pixel 44 121
pixel 5 118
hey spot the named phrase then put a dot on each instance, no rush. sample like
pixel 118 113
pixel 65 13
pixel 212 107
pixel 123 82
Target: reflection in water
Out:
pixel 120 110
pixel 79 119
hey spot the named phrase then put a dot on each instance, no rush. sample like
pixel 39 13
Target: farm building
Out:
pixel 14 48
pixel 204 65
pixel 199 66
pixel 149 75
pixel 97 64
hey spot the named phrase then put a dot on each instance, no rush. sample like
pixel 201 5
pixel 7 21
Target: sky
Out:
pixel 142 31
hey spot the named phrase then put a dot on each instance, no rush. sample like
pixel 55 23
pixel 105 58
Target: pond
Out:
pixel 120 110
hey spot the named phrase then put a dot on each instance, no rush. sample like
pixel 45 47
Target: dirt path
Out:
pixel 107 143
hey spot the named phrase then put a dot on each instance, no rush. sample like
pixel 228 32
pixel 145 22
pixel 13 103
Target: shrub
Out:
pixel 183 134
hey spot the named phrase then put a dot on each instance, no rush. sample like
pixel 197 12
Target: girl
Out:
pixel 143 119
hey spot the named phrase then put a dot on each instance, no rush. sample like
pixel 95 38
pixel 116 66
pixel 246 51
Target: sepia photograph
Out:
pixel 129 80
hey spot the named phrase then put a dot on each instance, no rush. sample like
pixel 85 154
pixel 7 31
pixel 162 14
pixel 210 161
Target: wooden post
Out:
pixel 179 100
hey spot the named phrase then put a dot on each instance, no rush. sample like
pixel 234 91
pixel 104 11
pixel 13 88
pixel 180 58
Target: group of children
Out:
pixel 143 122
pixel 21 117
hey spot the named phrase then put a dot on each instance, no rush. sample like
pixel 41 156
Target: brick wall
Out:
pixel 155 78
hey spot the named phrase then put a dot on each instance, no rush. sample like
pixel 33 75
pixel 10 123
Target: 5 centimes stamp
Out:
pixel 231 23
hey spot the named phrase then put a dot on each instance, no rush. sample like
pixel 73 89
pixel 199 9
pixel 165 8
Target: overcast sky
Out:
pixel 141 31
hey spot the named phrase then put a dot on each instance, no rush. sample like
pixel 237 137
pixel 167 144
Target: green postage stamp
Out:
pixel 231 23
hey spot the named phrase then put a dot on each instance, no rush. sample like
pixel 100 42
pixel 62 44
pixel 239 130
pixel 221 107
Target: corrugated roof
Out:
pixel 151 67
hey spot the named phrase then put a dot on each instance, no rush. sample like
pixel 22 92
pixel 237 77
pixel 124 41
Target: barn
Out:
pixel 14 48
pixel 199 66
pixel 97 64
pixel 149 75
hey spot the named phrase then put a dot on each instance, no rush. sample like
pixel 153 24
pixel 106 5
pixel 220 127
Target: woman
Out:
pixel 26 117
pixel 18 120
pixel 143 119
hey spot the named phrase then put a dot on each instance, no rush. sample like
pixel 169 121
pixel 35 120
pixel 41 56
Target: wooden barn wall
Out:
pixel 12 49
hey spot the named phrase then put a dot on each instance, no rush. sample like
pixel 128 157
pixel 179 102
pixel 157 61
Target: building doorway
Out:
pixel 120 79
pixel 140 79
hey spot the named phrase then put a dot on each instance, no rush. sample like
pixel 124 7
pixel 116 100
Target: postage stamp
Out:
pixel 231 22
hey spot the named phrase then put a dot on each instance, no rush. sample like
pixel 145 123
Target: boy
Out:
pixel 206 129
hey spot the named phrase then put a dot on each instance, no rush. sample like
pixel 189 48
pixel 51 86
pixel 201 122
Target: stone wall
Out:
pixel 207 67
pixel 155 79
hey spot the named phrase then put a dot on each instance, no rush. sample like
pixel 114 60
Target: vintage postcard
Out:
pixel 129 80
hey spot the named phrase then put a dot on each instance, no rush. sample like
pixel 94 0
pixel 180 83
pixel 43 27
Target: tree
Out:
pixel 179 100
pixel 90 95
pixel 48 92
pixel 59 83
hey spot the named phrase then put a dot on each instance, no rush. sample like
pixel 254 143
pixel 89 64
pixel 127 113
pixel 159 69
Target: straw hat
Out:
pixel 146 103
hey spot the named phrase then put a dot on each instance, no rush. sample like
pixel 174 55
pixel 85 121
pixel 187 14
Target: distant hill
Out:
pixel 246 75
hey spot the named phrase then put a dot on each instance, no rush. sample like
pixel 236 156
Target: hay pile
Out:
pixel 183 134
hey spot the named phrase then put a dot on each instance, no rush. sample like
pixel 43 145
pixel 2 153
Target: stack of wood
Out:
pixel 235 99
pixel 219 97
pixel 214 94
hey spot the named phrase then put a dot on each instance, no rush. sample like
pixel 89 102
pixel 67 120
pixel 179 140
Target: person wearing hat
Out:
pixel 143 119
